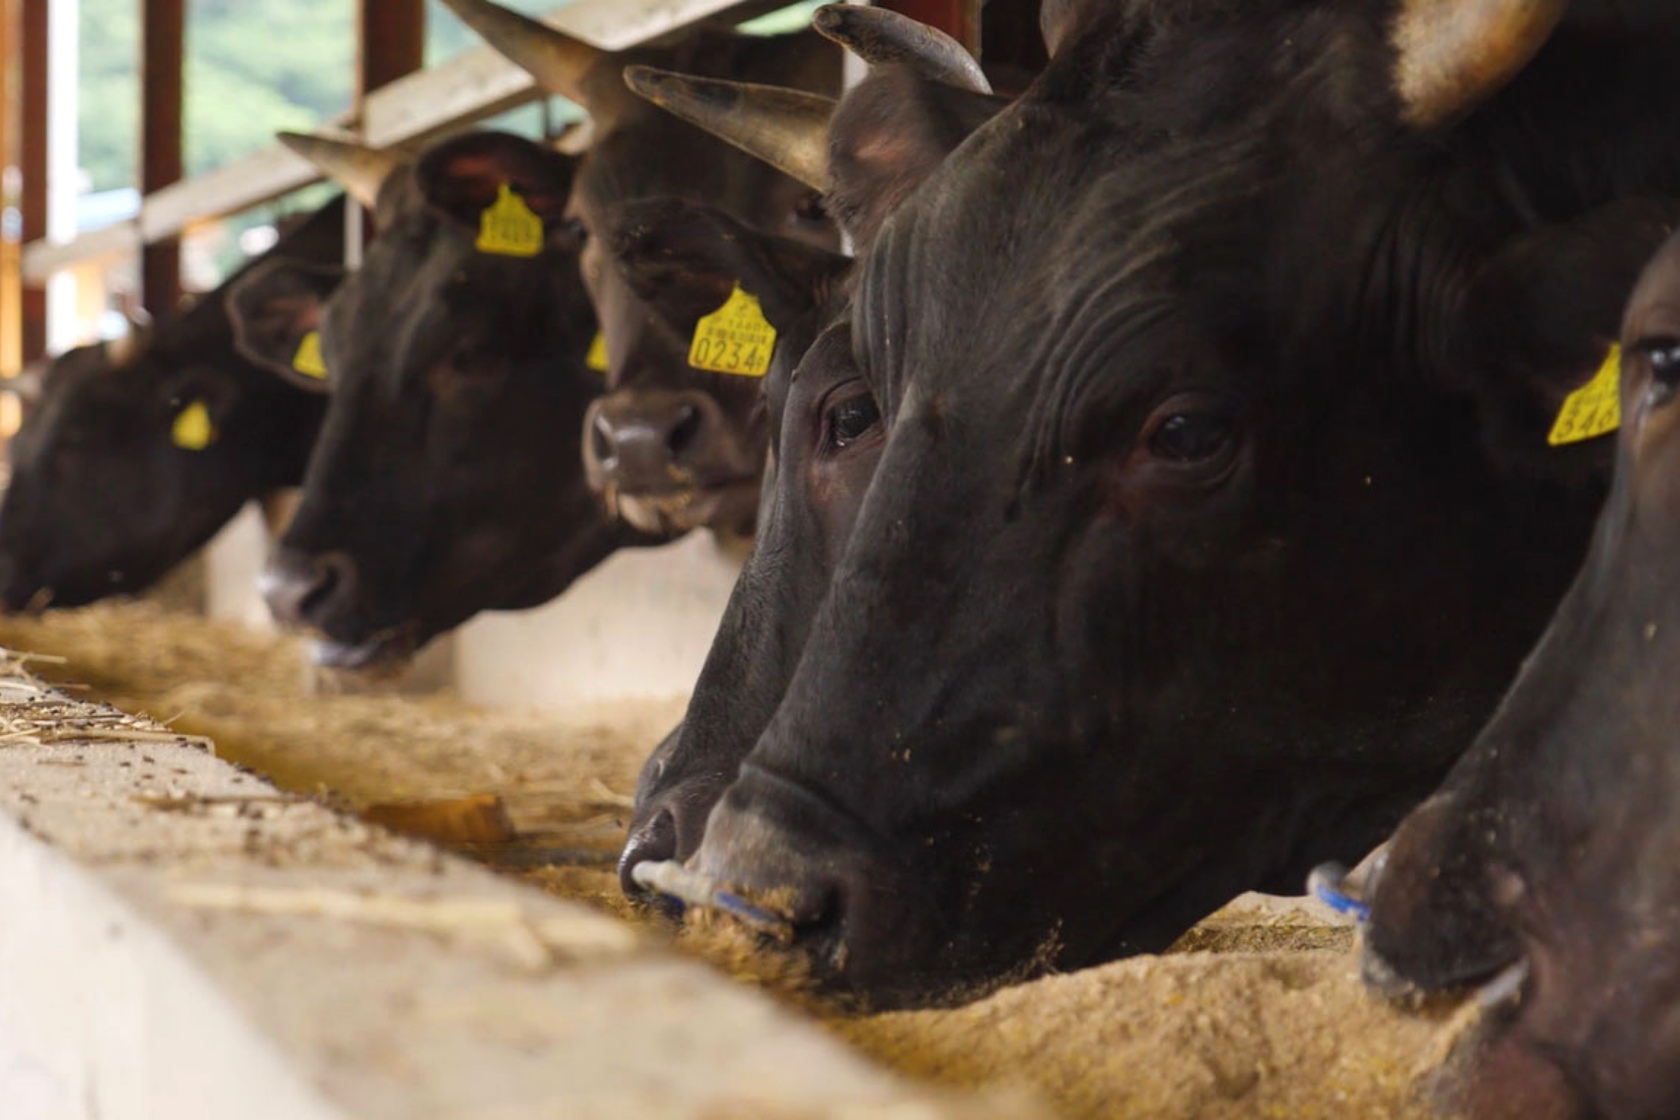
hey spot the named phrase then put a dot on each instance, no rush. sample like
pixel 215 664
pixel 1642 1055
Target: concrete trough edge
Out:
pixel 179 938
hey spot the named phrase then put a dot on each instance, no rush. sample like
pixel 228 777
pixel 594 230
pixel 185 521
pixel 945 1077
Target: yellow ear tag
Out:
pixel 193 430
pixel 508 227
pixel 307 360
pixel 596 359
pixel 735 338
pixel 1594 409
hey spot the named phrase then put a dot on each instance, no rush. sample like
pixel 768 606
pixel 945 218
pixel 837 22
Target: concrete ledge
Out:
pixel 180 939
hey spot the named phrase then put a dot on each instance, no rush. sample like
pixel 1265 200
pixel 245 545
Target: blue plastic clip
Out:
pixel 1327 883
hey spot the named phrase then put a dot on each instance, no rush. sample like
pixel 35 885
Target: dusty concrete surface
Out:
pixel 181 939
pixel 1256 1013
pixel 566 777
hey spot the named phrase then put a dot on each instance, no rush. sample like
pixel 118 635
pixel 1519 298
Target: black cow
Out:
pixel 1215 508
pixel 1555 842
pixel 824 424
pixel 825 434
pixel 448 476
pixel 670 446
pixel 130 461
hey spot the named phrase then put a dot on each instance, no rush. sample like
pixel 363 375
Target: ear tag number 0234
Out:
pixel 736 338
pixel 508 227
pixel 1592 410
pixel 307 360
pixel 193 430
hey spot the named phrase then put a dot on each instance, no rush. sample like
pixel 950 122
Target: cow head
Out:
pixel 136 452
pixel 447 477
pixel 1186 561
pixel 824 423
pixel 683 261
pixel 671 446
pixel 1553 842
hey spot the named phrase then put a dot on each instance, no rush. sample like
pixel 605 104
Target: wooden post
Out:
pixel 32 165
pixel 390 42
pixel 162 35
pixel 1011 45
pixel 11 256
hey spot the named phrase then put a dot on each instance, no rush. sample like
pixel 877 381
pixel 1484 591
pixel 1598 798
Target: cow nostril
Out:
pixel 329 576
pixel 602 445
pixel 301 588
pixel 681 434
pixel 654 842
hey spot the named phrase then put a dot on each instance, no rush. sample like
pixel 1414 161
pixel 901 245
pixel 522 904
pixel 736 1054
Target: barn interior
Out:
pixel 235 882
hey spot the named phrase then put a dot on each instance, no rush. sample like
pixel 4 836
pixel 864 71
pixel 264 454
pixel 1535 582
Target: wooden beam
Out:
pixel 477 84
pixel 390 44
pixel 32 164
pixel 1012 46
pixel 162 41
pixel 11 241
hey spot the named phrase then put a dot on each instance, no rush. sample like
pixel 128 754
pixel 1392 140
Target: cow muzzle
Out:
pixel 305 589
pixel 671 461
pixel 318 591
pixel 806 876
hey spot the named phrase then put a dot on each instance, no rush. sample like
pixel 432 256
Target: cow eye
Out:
pixel 474 358
pixel 1192 436
pixel 1664 358
pixel 851 419
pixel 809 210
pixel 576 230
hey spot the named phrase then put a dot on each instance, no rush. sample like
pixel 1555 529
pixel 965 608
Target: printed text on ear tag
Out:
pixel 1594 409
pixel 307 360
pixel 735 338
pixel 596 359
pixel 508 228
pixel 193 430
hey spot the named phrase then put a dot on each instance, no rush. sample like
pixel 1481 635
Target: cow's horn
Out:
pixel 557 61
pixel 131 343
pixel 357 168
pixel 880 36
pixel 1454 54
pixel 786 128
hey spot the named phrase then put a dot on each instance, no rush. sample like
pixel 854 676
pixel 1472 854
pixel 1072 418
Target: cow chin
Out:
pixel 728 508
pixel 384 654
pixel 888 922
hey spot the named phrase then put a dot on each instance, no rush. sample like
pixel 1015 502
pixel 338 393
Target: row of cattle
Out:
pixel 1162 493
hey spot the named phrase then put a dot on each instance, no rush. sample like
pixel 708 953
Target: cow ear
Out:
pixel 276 308
pixel 1539 317
pixel 889 134
pixel 684 260
pixel 466 176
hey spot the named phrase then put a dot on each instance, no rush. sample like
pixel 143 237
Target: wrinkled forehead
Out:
pixel 419 280
pixel 829 356
pixel 652 154
pixel 411 256
pixel 1048 229
pixel 1654 307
